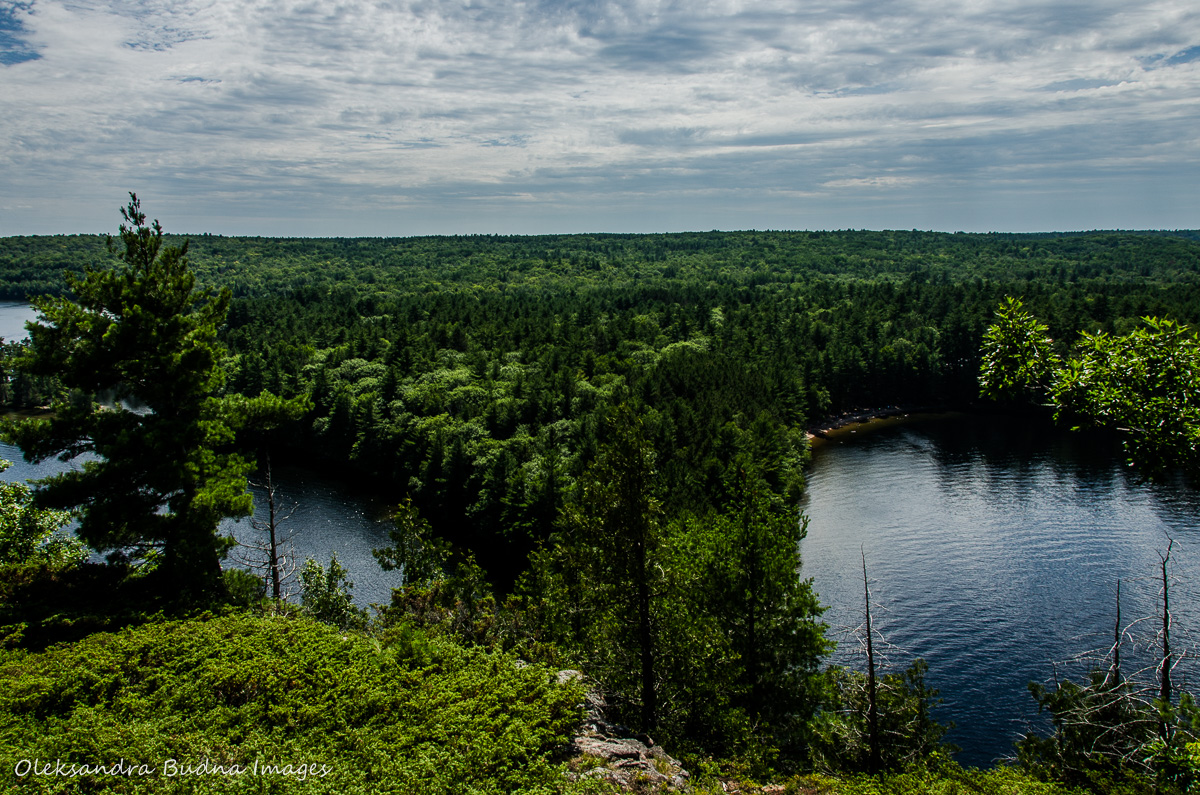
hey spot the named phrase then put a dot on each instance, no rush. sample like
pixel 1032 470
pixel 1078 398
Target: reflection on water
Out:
pixel 12 320
pixel 326 521
pixel 995 546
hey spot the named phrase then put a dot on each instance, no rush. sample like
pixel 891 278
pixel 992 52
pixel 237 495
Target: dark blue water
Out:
pixel 327 521
pixel 12 320
pixel 993 550
pixel 993 545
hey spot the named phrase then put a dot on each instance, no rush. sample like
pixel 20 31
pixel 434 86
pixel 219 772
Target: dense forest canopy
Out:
pixel 268 266
pixel 596 443
pixel 472 374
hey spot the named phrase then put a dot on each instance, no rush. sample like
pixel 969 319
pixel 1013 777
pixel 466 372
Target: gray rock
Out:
pixel 630 761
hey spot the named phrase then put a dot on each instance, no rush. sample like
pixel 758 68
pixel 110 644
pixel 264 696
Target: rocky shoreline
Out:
pixel 828 425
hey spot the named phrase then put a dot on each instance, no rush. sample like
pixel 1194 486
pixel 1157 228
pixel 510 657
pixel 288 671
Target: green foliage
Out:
pixel 1018 355
pixel 28 534
pixel 1146 383
pixel 1111 734
pixel 477 376
pixel 457 604
pixel 736 589
pixel 244 588
pixel 614 533
pixel 474 374
pixel 416 552
pixel 398 714
pixel 147 335
pixel 163 474
pixel 21 390
pixel 908 733
pixel 325 595
pixel 939 776
pixel 699 627
pixel 42 604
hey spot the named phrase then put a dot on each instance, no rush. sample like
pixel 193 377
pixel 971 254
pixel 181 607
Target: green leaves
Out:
pixel 703 619
pixel 27 533
pixel 421 556
pixel 142 338
pixel 1145 384
pixel 397 714
pixel 1018 355
pixel 325 594
pixel 908 731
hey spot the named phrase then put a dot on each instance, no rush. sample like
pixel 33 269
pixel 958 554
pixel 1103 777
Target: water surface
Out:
pixel 993 548
pixel 327 521
pixel 12 320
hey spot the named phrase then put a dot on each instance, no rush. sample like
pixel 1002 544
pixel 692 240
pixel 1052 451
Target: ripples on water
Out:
pixel 326 521
pixel 993 550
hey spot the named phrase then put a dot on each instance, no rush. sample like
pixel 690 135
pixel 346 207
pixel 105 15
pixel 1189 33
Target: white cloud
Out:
pixel 352 117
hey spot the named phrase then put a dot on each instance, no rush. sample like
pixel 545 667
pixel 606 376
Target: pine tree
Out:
pixel 163 470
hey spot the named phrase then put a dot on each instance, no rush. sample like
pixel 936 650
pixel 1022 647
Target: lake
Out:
pixel 993 546
pixel 12 320
pixel 327 521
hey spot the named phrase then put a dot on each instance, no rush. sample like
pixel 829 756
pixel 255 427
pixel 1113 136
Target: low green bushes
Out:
pixel 246 703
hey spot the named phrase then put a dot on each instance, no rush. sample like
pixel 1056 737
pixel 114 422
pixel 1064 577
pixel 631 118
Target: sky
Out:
pixel 351 118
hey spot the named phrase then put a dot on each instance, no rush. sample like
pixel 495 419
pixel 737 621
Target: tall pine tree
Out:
pixel 162 471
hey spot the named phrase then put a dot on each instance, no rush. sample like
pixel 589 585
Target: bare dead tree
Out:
pixel 1114 670
pixel 1165 667
pixel 872 690
pixel 1119 719
pixel 881 717
pixel 271 553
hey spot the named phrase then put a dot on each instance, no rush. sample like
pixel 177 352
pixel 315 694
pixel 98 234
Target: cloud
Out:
pixel 14 47
pixel 330 116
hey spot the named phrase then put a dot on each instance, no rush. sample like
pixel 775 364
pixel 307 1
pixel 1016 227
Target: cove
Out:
pixel 993 547
pixel 328 519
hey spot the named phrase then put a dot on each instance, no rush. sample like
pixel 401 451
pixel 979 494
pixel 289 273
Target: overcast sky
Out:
pixel 345 117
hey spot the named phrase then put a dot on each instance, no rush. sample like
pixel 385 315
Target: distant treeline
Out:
pixel 254 266
pixel 473 374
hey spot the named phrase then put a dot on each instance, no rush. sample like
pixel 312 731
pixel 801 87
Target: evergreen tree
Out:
pixel 613 534
pixel 768 613
pixel 162 472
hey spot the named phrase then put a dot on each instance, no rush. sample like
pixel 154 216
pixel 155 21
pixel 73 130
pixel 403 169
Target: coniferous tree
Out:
pixel 612 536
pixel 163 471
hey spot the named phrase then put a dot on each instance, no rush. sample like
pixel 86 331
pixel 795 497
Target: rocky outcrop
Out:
pixel 614 753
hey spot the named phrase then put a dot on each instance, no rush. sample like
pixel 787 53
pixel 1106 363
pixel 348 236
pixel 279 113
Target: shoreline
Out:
pixel 839 424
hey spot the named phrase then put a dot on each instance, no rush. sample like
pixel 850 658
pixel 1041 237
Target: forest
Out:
pixel 594 445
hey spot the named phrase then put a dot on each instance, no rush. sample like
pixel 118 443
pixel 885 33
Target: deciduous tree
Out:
pixel 1145 384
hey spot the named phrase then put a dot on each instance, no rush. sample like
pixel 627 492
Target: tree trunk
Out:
pixel 1164 671
pixel 872 705
pixel 275 585
pixel 645 642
